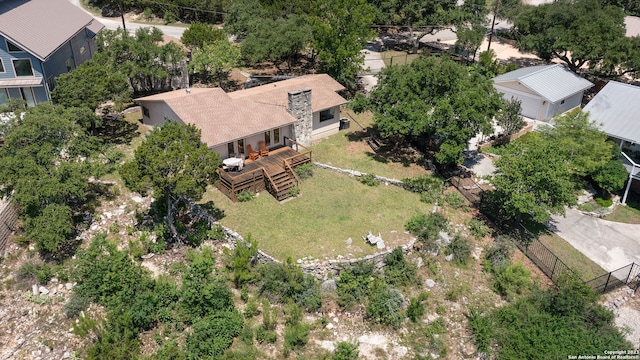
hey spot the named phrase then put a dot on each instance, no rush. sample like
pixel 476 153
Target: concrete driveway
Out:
pixel 611 245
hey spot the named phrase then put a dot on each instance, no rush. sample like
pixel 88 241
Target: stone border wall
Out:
pixel 8 218
pixel 324 269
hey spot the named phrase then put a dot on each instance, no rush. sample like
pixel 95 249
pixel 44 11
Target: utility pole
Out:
pixel 124 26
pixel 493 23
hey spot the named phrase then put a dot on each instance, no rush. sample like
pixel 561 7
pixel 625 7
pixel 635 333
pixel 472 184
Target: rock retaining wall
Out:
pixel 382 179
pixel 8 218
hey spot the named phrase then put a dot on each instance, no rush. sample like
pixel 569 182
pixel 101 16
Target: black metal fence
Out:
pixel 548 262
pixel 627 275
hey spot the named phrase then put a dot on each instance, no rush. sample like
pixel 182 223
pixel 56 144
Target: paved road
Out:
pixel 114 23
pixel 611 245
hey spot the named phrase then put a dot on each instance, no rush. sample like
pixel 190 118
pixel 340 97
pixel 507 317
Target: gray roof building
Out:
pixel 552 82
pixel 616 109
pixel 42 26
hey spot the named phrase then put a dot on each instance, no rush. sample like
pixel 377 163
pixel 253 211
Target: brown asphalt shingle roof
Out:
pixel 42 26
pixel 226 117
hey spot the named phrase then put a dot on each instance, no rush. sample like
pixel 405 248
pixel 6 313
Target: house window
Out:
pixel 326 115
pixel 230 149
pixel 1 67
pixel 562 102
pixel 4 96
pixel 69 64
pixel 145 112
pixel 276 136
pixel 267 138
pixel 241 146
pixel 83 49
pixel 23 67
pixel 13 47
pixel 27 96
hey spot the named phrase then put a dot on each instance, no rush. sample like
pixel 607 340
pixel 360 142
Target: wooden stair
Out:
pixel 281 182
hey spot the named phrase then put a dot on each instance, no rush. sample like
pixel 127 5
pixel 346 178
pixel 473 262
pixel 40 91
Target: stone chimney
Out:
pixel 300 107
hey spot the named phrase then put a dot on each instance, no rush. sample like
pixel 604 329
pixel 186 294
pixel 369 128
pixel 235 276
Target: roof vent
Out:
pixel 188 90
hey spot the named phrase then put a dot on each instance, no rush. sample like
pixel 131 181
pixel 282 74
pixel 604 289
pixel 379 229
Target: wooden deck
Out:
pixel 273 172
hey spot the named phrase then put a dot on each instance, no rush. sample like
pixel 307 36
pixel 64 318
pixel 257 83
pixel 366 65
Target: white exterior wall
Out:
pixel 327 127
pixel 571 102
pixel 533 106
pixel 223 149
pixel 158 112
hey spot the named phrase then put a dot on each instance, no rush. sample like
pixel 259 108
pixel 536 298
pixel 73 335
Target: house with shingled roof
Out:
pixel 39 40
pixel 303 109
pixel 543 91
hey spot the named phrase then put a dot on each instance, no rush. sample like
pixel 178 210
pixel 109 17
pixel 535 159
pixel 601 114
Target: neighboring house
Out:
pixel 303 109
pixel 39 40
pixel 616 109
pixel 544 91
pixel 632 26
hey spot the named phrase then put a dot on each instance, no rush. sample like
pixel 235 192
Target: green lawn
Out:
pixel 586 268
pixel 393 57
pixel 331 208
pixel 349 150
pixel 629 214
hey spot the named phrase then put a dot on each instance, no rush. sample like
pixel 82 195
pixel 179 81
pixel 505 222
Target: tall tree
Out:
pixel 341 28
pixel 532 179
pixel 434 98
pixel 173 163
pixel 199 34
pixel 216 60
pixel 92 84
pixel 580 33
pixel 45 167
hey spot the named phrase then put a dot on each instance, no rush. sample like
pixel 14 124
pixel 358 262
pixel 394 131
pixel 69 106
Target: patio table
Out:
pixel 233 163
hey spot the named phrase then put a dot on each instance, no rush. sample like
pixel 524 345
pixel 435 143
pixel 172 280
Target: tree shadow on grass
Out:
pixel 115 130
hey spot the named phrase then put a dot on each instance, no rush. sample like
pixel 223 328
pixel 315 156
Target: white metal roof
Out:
pixel 616 109
pixel 552 82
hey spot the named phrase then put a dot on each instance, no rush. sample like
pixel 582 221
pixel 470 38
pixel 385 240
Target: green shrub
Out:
pixel 304 171
pixel 284 282
pixel 604 201
pixel 398 271
pixel 217 233
pixel 512 280
pixel 243 260
pixel 294 191
pixel 214 334
pixel 478 229
pixel 427 227
pixel 346 351
pixel 385 305
pixel 245 196
pixel 456 291
pixel 31 271
pixel 353 284
pixel 498 253
pixel 114 227
pixel 429 187
pixel 75 305
pixel 482 328
pixel 246 335
pixel 455 200
pixel 460 248
pixel 416 306
pixel 266 336
pixel 116 339
pixel 198 233
pixel 295 337
pixel 612 176
pixel 369 180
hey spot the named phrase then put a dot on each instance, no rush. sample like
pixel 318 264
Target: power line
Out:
pixel 187 7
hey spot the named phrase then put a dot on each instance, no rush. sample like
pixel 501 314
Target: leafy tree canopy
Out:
pixel 173 163
pixel 216 60
pixel 90 85
pixel 199 34
pixel 434 98
pixel 580 33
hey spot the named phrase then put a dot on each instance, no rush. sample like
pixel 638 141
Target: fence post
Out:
pixel 629 275
pixel 606 284
pixel 554 268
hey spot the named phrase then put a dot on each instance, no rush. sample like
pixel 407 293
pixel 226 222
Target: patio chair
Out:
pixel 252 154
pixel 263 149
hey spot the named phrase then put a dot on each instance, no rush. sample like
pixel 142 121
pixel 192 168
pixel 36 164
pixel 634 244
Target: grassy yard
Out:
pixel 349 150
pixel 629 214
pixel 580 263
pixel 393 57
pixel 332 208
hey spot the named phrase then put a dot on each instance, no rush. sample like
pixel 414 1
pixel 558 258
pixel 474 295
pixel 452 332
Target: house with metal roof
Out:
pixel 39 40
pixel 302 109
pixel 543 91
